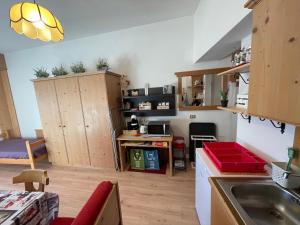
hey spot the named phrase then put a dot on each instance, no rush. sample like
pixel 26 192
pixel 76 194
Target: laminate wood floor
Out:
pixel 146 199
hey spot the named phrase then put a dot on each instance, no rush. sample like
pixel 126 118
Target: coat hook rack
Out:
pixel 246 118
pixel 279 125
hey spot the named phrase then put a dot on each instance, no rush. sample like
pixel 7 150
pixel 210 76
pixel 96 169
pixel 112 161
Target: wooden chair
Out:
pixel 28 177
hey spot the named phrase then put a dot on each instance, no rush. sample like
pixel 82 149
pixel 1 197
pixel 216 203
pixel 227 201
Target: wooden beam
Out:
pixel 297 146
pixel 250 4
pixel 201 72
pixel 2 63
pixel 15 129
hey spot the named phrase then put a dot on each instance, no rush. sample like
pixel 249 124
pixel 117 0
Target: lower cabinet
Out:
pixel 203 191
pixel 220 213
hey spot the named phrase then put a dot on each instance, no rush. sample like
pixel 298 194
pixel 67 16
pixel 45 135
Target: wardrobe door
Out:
pixel 51 122
pixel 72 118
pixel 115 102
pixel 96 115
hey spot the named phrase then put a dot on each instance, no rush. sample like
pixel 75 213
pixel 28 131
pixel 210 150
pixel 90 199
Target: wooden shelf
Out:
pixel 234 109
pixel 153 112
pixel 237 69
pixel 194 108
pixel 144 146
pixel 145 97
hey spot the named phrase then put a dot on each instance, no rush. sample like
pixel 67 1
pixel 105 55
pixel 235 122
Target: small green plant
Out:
pixel 59 71
pixel 78 68
pixel 102 64
pixel 41 72
pixel 224 95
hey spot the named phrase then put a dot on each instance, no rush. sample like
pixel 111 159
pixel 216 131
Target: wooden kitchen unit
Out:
pixel 274 71
pixel 124 146
pixel 80 118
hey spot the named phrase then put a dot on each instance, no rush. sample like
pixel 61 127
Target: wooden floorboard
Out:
pixel 146 199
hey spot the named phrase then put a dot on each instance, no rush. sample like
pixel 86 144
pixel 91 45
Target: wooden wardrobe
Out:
pixel 81 117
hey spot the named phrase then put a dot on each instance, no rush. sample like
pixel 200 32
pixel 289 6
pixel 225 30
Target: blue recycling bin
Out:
pixel 151 160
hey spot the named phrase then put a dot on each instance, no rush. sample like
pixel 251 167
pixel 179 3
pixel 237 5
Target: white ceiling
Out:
pixel 81 18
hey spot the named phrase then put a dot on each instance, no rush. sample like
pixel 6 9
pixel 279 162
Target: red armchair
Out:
pixel 102 208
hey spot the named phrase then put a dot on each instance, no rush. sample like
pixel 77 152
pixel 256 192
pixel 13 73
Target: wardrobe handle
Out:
pixel 87 126
pixel 59 125
pixel 64 125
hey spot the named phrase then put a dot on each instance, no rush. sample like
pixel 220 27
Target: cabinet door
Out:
pixel 51 122
pixel 115 102
pixel 96 116
pixel 275 68
pixel 220 213
pixel 72 118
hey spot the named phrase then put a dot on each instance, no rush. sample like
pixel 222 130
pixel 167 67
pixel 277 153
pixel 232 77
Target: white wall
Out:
pixel 147 54
pixel 213 20
pixel 261 136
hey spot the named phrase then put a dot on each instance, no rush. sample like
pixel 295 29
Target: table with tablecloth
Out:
pixel 28 208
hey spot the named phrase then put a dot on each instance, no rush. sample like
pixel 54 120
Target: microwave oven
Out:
pixel 159 128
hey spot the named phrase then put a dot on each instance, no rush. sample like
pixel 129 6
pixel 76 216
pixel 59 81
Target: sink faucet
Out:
pixel 287 174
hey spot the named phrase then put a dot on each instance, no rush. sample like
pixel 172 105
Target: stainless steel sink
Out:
pixel 262 202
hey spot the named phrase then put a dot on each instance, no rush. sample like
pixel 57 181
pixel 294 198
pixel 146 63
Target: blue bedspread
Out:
pixel 16 149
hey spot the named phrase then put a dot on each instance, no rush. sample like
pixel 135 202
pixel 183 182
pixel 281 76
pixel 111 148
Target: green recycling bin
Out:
pixel 137 160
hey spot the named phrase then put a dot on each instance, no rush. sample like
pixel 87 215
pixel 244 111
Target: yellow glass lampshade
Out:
pixel 35 22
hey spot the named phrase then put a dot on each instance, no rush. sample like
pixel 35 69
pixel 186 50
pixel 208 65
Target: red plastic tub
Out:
pixel 232 157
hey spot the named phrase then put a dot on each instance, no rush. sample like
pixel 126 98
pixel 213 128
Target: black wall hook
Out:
pixel 280 126
pixel 246 118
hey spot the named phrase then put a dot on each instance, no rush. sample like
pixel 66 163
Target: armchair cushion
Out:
pixel 90 211
pixel 93 206
pixel 63 221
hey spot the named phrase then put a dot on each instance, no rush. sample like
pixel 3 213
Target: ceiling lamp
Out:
pixel 35 22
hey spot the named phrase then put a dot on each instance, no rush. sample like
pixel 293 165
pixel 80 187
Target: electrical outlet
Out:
pixel 192 116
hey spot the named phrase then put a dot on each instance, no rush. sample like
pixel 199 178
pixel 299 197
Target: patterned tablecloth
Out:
pixel 25 208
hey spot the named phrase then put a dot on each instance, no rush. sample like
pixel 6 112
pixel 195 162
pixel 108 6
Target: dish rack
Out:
pixel 279 175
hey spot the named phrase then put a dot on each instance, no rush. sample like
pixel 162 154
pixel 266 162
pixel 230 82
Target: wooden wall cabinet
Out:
pixel 76 118
pixel 275 69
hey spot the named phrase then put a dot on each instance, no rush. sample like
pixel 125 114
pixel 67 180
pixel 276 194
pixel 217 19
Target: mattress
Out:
pixel 16 149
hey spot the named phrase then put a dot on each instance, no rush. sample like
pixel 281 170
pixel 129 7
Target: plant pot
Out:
pixel 224 103
pixel 103 68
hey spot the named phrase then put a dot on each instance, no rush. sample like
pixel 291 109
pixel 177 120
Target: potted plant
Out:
pixel 78 68
pixel 102 64
pixel 59 71
pixel 224 98
pixel 41 72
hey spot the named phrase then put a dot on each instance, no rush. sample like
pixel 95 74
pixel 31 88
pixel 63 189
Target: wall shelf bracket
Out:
pixel 279 125
pixel 243 79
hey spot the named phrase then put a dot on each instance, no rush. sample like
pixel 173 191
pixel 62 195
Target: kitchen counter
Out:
pixel 205 168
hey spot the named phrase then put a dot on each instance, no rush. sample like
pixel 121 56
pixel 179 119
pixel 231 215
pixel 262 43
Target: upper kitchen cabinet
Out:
pixel 275 69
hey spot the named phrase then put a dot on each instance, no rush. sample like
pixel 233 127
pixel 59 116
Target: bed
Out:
pixel 22 151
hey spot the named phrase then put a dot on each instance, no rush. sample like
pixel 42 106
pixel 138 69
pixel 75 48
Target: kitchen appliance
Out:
pixel 143 129
pixel 159 128
pixel 242 101
pixel 133 124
